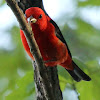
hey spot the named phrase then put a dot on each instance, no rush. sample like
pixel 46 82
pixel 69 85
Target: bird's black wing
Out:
pixel 60 36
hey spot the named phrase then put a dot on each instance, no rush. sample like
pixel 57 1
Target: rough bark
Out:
pixel 51 73
pixel 46 78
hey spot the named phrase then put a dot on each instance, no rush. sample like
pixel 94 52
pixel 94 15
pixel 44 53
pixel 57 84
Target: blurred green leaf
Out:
pixel 89 2
pixel 2 2
pixel 89 90
pixel 24 87
pixel 82 88
pixel 87 33
pixel 63 82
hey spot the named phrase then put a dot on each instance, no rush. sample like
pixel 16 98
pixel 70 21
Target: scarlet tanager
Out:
pixel 51 43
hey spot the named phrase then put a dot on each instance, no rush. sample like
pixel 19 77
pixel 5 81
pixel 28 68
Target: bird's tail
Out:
pixel 78 74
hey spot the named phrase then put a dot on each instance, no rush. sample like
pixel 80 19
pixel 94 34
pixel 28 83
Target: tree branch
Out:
pixel 46 79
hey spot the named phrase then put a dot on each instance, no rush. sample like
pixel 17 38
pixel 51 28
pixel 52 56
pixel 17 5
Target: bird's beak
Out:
pixel 31 20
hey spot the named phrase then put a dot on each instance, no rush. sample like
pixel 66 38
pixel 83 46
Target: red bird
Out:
pixel 51 43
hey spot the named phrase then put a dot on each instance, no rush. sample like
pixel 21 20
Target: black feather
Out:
pixel 74 76
pixel 78 74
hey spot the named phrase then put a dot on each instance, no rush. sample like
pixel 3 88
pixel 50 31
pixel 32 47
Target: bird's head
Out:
pixel 36 17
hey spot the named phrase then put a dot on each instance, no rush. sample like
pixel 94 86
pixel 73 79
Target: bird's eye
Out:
pixel 40 16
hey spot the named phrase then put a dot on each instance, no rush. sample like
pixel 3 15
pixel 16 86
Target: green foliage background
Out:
pixel 16 72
